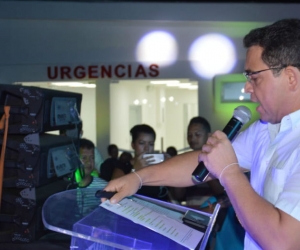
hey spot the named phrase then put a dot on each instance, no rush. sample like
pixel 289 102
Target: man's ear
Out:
pixel 293 77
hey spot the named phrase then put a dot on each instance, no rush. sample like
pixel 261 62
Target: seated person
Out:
pixel 108 166
pixel 143 139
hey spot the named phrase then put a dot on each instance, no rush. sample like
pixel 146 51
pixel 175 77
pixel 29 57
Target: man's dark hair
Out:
pixel 280 42
pixel 85 143
pixel 125 157
pixel 110 147
pixel 172 151
pixel 201 120
pixel 141 128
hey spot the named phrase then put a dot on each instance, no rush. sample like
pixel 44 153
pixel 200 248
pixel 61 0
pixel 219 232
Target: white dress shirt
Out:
pixel 272 153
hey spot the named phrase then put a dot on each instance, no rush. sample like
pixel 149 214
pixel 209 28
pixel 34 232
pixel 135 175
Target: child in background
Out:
pixel 88 177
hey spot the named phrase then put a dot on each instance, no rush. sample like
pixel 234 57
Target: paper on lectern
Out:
pixel 158 222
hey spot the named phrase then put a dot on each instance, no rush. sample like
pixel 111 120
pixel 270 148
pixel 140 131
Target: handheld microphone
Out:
pixel 241 116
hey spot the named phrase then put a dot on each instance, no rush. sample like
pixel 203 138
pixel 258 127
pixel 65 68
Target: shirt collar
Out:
pixel 288 122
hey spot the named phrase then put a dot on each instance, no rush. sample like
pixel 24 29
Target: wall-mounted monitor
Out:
pixel 229 93
pixel 234 92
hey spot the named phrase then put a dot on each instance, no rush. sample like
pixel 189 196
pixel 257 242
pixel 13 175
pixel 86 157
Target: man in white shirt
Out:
pixel 269 206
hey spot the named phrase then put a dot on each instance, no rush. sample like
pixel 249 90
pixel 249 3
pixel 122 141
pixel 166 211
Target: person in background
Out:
pixel 108 166
pixel 89 175
pixel 198 132
pixel 98 156
pixel 113 151
pixel 87 178
pixel 72 133
pixel 201 196
pixel 268 207
pixel 143 140
pixel 125 157
pixel 172 151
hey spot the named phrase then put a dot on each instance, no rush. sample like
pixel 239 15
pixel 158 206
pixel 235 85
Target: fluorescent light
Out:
pixel 179 84
pixel 60 83
pixel 90 85
pixel 165 82
pixel 74 84
pixel 173 84
pixel 193 87
pixel 186 84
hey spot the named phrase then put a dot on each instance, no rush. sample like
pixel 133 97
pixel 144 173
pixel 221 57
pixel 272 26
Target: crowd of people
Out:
pixel 143 141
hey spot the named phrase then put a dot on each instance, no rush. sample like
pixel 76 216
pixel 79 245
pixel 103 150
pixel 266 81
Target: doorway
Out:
pixel 167 105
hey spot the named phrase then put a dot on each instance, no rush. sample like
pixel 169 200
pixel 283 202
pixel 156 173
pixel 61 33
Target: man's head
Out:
pixel 125 157
pixel 198 132
pixel 113 151
pixel 87 155
pixel 172 151
pixel 272 68
pixel 143 139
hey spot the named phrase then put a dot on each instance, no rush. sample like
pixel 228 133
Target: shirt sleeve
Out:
pixel 245 142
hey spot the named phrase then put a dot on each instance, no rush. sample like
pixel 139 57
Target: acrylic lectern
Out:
pixel 78 213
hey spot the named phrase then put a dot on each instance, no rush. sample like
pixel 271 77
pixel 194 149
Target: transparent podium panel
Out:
pixel 77 213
